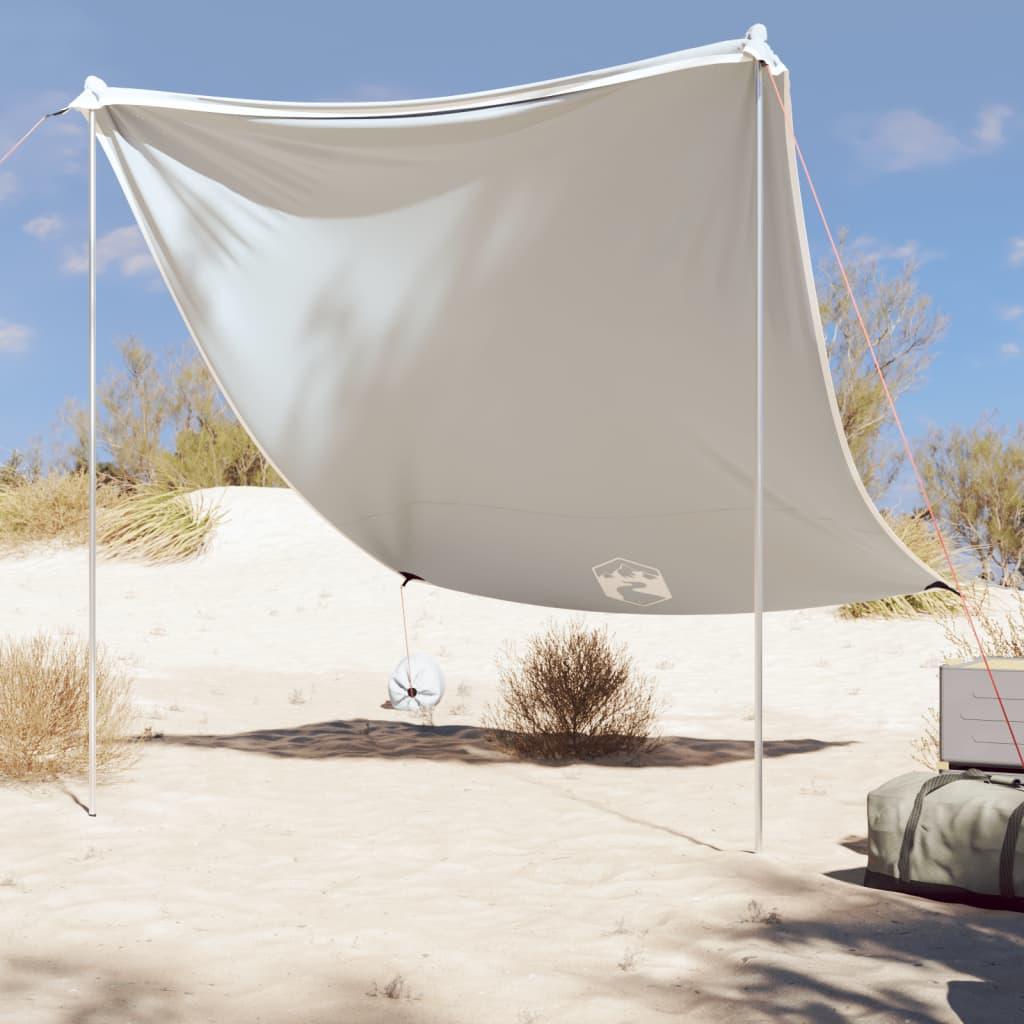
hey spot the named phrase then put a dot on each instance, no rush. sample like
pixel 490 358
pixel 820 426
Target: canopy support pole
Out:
pixel 92 463
pixel 759 477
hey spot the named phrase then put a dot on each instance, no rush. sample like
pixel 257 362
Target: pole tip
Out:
pixel 95 85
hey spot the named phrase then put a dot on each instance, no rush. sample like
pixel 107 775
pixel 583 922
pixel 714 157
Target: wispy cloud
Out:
pixel 901 140
pixel 904 140
pixel 1010 349
pixel 14 337
pixel 867 247
pixel 122 247
pixel 43 227
pixel 1016 252
pixel 991 121
pixel 1012 312
pixel 7 184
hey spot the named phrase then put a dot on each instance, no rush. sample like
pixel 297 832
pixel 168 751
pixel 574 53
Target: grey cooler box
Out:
pixel 972 730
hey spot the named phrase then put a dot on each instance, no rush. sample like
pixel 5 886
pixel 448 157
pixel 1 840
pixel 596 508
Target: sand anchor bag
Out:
pixel 952 836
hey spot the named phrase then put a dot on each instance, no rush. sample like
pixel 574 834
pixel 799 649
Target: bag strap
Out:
pixel 1009 852
pixel 932 784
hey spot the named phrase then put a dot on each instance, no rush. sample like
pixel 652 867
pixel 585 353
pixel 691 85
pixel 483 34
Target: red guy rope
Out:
pixel 14 149
pixel 906 443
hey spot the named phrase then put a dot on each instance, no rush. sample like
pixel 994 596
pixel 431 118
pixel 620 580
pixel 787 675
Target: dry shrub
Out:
pixel 44 700
pixel 917 532
pixel 1002 634
pixel 925 749
pixel 156 526
pixel 51 508
pixel 573 694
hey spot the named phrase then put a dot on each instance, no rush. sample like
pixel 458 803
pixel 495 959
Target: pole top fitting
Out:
pixel 755 45
pixel 91 97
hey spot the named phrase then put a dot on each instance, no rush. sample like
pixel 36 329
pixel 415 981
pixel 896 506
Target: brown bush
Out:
pixel 44 699
pixel 573 695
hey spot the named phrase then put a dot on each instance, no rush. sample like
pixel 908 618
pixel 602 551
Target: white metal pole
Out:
pixel 759 481
pixel 92 463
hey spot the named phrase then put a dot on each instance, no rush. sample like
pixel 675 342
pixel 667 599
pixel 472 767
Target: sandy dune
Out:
pixel 288 851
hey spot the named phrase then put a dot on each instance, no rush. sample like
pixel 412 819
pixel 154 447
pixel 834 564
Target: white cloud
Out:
pixel 991 119
pixel 902 140
pixel 1010 349
pixel 122 247
pixel 43 227
pixel 867 247
pixel 1016 251
pixel 1011 312
pixel 6 184
pixel 14 337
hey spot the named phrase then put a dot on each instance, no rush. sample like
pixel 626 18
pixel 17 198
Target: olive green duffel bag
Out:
pixel 952 836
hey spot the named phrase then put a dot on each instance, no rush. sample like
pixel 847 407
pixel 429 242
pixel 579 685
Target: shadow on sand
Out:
pixel 76 991
pixel 832 968
pixel 363 737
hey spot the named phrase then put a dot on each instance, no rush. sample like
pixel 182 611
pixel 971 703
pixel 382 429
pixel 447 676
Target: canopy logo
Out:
pixel 631 582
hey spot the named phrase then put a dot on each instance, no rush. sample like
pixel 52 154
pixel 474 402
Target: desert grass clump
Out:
pixel 44 699
pixel 1002 635
pixel 918 534
pixel 396 988
pixel 574 695
pixel 47 509
pixel 156 526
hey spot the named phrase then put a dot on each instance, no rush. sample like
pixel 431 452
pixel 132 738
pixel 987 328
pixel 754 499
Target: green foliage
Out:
pixel 137 406
pixel 166 425
pixel 904 328
pixel 976 479
pixel 220 453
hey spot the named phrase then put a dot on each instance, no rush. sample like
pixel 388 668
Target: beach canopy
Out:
pixel 505 341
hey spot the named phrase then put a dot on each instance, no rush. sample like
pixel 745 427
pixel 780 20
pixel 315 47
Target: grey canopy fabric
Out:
pixel 505 342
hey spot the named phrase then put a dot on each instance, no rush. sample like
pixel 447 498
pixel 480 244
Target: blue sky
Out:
pixel 910 114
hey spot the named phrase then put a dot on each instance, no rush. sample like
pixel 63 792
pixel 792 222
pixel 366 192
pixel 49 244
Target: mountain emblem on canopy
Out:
pixel 622 579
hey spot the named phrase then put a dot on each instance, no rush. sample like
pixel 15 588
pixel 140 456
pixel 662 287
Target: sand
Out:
pixel 290 851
